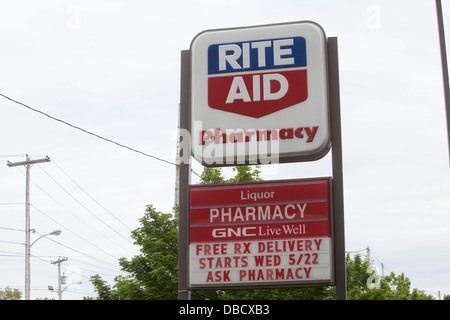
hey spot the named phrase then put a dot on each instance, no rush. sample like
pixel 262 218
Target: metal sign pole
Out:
pixel 444 66
pixel 184 175
pixel 338 192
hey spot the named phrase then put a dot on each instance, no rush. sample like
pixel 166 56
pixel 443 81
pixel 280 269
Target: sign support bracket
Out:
pixel 337 186
pixel 184 176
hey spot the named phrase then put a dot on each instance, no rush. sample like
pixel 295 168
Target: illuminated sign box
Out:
pixel 260 95
pixel 261 234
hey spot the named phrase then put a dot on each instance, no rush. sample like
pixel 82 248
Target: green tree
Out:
pixel 153 274
pixel 246 174
pixel 211 176
pixel 104 291
pixel 10 294
pixel 365 284
pixel 243 174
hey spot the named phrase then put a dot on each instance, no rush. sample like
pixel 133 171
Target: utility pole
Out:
pixel 177 161
pixel 444 64
pixel 58 262
pixel 28 163
pixel 368 254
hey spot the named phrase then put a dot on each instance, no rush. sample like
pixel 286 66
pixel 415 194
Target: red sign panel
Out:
pixel 260 233
pixel 260 104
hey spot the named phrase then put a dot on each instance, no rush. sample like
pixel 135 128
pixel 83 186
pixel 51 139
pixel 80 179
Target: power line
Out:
pixel 382 264
pixel 94 215
pixel 12 242
pixel 75 234
pixel 91 196
pixel 78 218
pixel 355 251
pixel 11 252
pixel 12 229
pixel 83 253
pixel 21 255
pixel 86 131
pixel 370 251
pixel 95 266
pixel 90 133
pixel 12 155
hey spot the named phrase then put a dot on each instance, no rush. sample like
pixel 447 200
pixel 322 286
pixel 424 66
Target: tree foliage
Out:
pixel 363 283
pixel 153 274
pixel 10 294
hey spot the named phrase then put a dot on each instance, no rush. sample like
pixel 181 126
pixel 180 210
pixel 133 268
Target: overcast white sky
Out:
pixel 112 67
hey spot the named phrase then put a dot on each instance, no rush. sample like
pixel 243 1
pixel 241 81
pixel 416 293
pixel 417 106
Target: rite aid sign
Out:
pixel 260 95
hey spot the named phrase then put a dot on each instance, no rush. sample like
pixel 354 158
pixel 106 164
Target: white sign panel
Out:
pixel 260 95
pixel 264 262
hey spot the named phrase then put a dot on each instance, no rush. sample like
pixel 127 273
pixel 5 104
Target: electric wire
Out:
pixel 12 229
pixel 86 131
pixel 82 205
pixel 12 252
pixel 75 234
pixel 92 265
pixel 97 231
pixel 384 266
pixel 355 251
pixel 102 267
pixel 85 192
pixel 90 133
pixel 68 265
pixel 70 231
pixel 110 265
pixel 12 155
pixel 11 203
pixel 371 254
pixel 21 256
pixel 12 242
pixel 80 252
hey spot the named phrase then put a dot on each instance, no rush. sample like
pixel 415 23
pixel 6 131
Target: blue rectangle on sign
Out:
pixel 257 55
